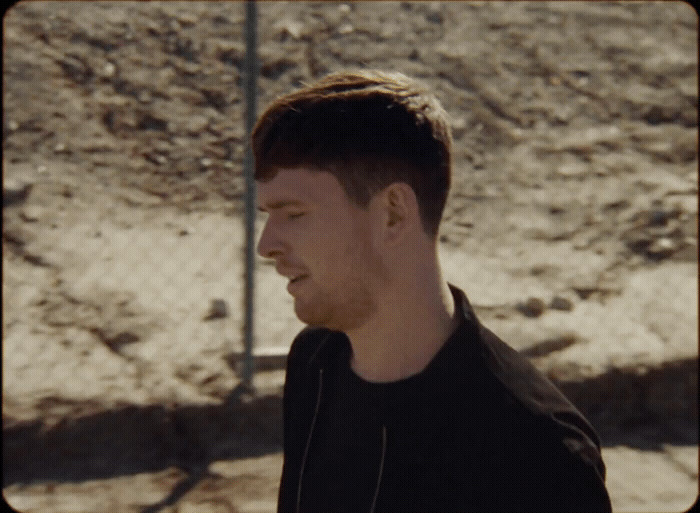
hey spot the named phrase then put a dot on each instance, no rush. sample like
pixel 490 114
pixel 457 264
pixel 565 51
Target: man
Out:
pixel 396 397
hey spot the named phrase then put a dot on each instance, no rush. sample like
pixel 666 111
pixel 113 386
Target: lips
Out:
pixel 294 274
pixel 289 271
pixel 295 282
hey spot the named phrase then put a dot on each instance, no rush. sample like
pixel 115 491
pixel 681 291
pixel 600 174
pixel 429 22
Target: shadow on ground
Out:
pixel 132 439
pixel 628 407
pixel 641 407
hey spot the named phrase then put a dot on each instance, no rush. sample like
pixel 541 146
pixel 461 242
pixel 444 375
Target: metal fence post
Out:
pixel 250 86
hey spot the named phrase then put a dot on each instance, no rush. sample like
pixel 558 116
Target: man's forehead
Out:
pixel 296 186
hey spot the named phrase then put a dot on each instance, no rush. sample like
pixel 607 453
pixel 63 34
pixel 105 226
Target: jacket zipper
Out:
pixel 308 441
pixel 381 470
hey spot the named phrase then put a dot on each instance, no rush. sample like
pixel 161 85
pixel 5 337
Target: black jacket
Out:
pixel 493 433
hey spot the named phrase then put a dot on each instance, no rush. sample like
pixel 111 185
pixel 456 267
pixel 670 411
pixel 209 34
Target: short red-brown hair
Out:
pixel 369 129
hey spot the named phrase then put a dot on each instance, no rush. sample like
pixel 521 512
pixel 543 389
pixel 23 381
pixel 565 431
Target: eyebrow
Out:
pixel 282 204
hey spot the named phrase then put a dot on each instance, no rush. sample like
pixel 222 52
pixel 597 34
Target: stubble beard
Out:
pixel 344 308
pixel 349 302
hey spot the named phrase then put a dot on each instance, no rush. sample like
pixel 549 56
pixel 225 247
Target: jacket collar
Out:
pixel 462 305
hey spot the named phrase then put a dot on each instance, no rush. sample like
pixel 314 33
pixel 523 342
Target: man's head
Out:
pixel 368 129
pixel 353 173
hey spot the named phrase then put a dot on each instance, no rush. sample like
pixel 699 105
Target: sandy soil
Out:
pixel 572 225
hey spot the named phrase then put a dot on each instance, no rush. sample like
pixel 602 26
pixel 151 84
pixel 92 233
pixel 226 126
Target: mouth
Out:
pixel 296 279
pixel 293 283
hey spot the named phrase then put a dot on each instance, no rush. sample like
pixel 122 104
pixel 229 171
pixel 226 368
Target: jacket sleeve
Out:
pixel 554 474
pixel 570 484
pixel 578 478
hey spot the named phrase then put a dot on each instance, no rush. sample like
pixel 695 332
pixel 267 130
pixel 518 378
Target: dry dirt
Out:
pixel 572 225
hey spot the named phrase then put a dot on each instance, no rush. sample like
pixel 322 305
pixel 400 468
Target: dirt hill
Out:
pixel 572 225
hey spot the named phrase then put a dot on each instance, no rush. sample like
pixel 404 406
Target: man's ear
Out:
pixel 400 208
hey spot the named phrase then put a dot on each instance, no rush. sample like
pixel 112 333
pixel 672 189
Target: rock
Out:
pixel 109 69
pixel 291 27
pixel 662 247
pixel 574 169
pixel 115 341
pixel 31 213
pixel 273 68
pixel 77 68
pixel 217 310
pixel 657 233
pixel 561 303
pixel 16 236
pixel 550 345
pixel 435 17
pixel 533 307
pixel 61 148
pixel 14 192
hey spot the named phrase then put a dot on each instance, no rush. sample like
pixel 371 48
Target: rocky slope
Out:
pixel 572 224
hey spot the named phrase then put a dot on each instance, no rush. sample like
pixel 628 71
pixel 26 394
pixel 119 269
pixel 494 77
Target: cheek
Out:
pixel 338 248
pixel 360 258
pixel 335 259
pixel 330 257
pixel 315 247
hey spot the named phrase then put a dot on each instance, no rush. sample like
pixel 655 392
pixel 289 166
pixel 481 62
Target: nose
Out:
pixel 269 244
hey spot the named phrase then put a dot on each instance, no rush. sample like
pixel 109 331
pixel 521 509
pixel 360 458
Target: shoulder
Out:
pixel 516 374
pixel 504 371
pixel 539 403
pixel 537 428
pixel 511 371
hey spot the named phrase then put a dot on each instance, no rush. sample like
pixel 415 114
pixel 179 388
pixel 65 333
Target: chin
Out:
pixel 318 318
pixel 308 314
pixel 324 310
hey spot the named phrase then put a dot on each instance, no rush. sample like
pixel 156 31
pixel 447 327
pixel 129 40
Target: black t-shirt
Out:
pixel 345 456
pixel 370 437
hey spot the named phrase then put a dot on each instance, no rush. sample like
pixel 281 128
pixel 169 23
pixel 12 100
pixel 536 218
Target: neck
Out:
pixel 414 319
